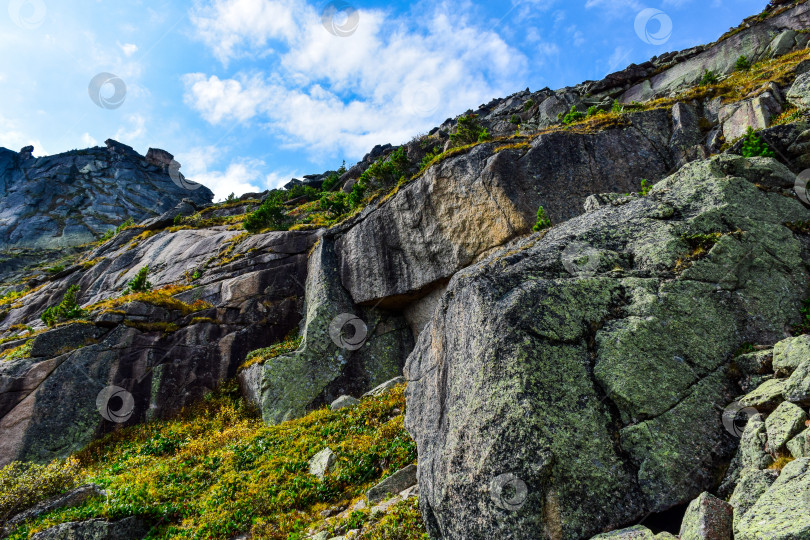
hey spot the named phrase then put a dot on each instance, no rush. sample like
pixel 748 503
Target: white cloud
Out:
pixel 384 83
pixel 133 133
pixel 618 59
pixel 88 141
pixel 231 26
pixel 12 138
pixel 128 48
pixel 240 177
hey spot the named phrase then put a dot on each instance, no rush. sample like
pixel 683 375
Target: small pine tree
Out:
pixel 139 283
pixel 68 309
pixel 542 220
pixel 754 146
pixel 709 78
pixel 645 188
pixel 742 64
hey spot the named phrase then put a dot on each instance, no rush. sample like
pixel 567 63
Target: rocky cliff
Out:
pixel 592 294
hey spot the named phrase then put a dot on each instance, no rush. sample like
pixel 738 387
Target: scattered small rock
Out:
pixel 397 482
pixel 344 402
pixel 385 387
pixel 322 462
pixel 783 423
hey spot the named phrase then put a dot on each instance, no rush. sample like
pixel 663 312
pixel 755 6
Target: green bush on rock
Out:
pixel 270 215
pixel 754 146
pixel 68 309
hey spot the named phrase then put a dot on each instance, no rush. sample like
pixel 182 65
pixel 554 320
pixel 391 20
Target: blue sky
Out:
pixel 249 93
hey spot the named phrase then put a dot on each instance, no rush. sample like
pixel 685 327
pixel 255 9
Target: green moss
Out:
pixel 217 471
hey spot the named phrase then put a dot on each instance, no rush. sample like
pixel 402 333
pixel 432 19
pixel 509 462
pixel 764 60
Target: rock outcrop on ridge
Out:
pixel 73 198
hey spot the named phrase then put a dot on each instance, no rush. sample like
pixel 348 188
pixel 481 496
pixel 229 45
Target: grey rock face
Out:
pixel 48 401
pixel 568 345
pixel 330 363
pixel 71 499
pixel 130 528
pixel 72 198
pixel 470 204
pixel 799 92
pixel 638 532
pixel 752 445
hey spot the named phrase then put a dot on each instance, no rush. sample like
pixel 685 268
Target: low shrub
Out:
pixel 337 203
pixel 270 215
pixel 709 78
pixel 468 131
pixel 68 309
pixel 23 485
pixel 573 116
pixel 139 283
pixel 754 146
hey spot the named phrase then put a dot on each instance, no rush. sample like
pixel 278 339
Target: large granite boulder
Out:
pixel 576 381
pixel 472 203
pixel 346 349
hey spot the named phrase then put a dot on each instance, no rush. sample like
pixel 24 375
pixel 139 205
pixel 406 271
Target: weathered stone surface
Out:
pixel 755 363
pixel 753 42
pixel 799 92
pixel 72 198
pixel 344 402
pixel 327 364
pixel 397 482
pixel 756 113
pixel 472 203
pixel 322 462
pixel 707 518
pixel 48 404
pixel 753 484
pixel 781 512
pixel 799 446
pixel 638 532
pixel 782 424
pixel 551 350
pixel 767 396
pixel 752 445
pixel 797 387
pixel 790 353
pixel 131 528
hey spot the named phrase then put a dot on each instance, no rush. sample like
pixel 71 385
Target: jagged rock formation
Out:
pixel 589 368
pixel 73 198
